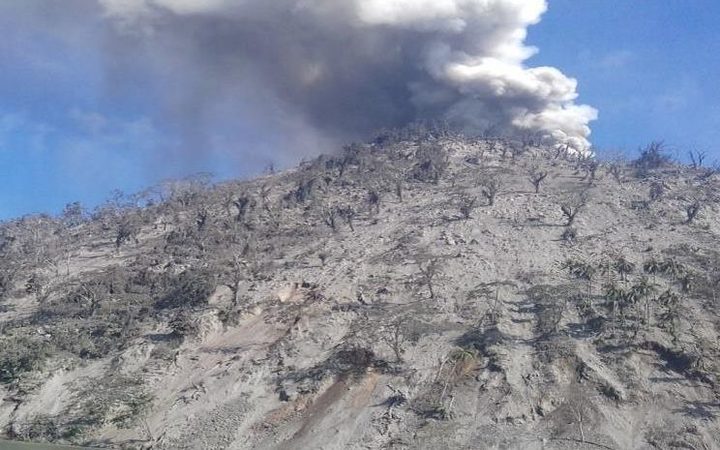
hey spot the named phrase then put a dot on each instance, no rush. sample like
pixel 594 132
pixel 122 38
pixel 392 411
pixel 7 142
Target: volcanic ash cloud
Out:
pixel 344 68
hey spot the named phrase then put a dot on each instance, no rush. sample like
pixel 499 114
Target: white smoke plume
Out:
pixel 343 68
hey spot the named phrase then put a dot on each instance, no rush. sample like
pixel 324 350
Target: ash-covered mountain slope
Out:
pixel 424 291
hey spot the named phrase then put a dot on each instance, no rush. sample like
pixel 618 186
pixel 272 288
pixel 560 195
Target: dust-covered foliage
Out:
pixel 652 157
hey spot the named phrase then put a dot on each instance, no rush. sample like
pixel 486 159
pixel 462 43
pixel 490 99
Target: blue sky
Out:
pixel 650 67
pixel 68 133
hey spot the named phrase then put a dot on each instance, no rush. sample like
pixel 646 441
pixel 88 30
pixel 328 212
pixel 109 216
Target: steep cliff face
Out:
pixel 424 291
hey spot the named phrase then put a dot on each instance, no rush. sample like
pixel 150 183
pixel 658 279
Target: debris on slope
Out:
pixel 421 291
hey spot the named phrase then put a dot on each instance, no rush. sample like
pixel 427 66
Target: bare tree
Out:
pixel 670 315
pixel 537 176
pixel 489 187
pixel 697 158
pixel 657 190
pixel 264 192
pixel 577 411
pixel 373 199
pixel 590 166
pixel 519 149
pixel 348 214
pixel 73 214
pixel 237 274
pixel 572 205
pixel 429 271
pixel 36 284
pixel 273 213
pixel 243 204
pixel 692 210
pixel 88 295
pixel 399 190
pixel 652 156
pixel 183 324
pixel 433 163
pixel 623 267
pixel 616 170
pixel 569 235
pixel 710 171
pixel 396 335
pixel 304 190
pixel 616 167
pixel 185 191
pixel 505 149
pixel 329 216
pixel 581 410
pixel 8 272
pixel 201 218
pixel 128 229
pixel 467 204
pixel 561 151
pixel 530 139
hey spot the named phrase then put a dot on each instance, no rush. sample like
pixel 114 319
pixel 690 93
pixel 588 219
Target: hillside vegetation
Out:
pixel 425 290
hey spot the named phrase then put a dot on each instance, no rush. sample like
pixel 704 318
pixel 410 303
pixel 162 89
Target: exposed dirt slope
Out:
pixel 380 299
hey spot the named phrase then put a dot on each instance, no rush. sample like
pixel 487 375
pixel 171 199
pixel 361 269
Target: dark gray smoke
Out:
pixel 338 69
pixel 273 80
